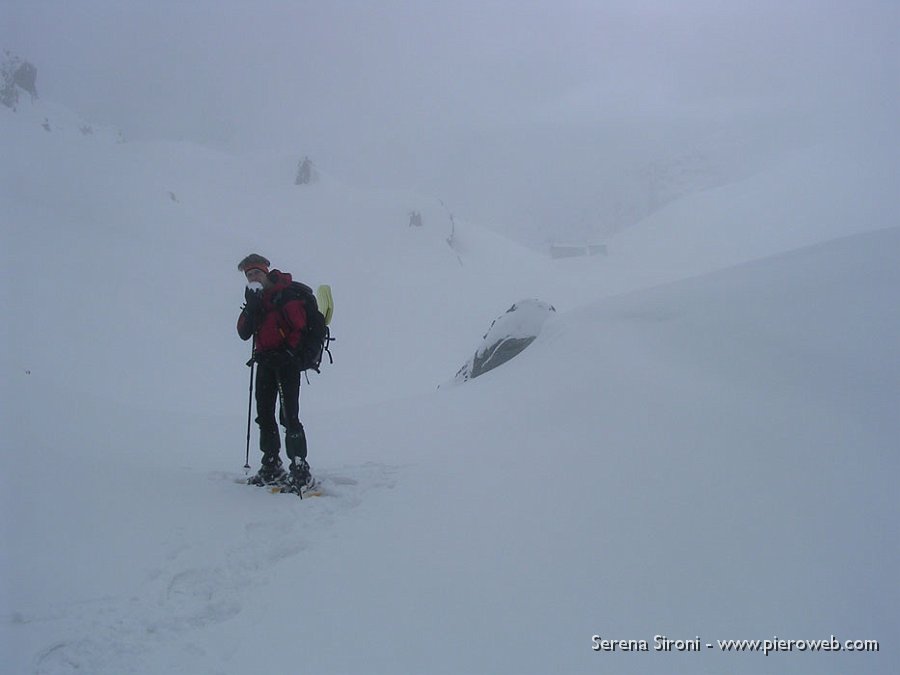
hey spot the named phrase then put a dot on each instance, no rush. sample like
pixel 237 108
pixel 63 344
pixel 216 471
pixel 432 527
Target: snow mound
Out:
pixel 509 334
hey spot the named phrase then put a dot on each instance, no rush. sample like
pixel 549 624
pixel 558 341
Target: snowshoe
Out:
pixel 300 480
pixel 274 475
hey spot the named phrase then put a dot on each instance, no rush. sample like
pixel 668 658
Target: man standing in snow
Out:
pixel 275 319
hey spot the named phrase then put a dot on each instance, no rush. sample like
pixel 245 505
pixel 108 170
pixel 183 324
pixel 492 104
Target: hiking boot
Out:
pixel 271 473
pixel 300 475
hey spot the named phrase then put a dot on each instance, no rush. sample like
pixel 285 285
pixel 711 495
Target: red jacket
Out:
pixel 280 324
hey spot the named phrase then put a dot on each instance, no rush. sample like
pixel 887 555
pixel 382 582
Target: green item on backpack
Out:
pixel 325 301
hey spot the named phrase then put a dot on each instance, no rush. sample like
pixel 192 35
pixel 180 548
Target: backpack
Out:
pixel 316 334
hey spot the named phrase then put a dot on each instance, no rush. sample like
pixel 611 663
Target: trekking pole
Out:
pixel 250 403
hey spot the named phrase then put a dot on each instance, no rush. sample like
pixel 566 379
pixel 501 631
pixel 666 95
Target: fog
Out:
pixel 540 119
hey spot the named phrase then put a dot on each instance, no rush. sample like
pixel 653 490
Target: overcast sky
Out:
pixel 457 96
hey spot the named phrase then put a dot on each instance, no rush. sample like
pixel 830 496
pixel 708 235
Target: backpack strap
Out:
pixel 294 291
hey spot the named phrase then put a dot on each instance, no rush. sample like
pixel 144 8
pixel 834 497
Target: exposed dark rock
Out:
pixel 17 75
pixel 508 336
pixel 306 172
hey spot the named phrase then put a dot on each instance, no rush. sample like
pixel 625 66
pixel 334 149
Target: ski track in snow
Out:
pixel 111 635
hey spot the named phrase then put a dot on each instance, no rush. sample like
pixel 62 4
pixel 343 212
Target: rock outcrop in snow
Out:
pixel 306 172
pixel 509 334
pixel 17 74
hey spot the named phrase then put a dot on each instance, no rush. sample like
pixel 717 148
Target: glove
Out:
pixel 253 300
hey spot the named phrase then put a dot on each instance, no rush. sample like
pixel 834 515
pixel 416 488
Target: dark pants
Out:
pixel 269 379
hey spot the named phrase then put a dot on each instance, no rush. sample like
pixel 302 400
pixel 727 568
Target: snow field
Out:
pixel 698 445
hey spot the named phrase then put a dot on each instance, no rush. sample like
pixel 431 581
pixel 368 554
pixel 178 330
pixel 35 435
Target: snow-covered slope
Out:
pixel 136 246
pixel 710 457
pixel 808 196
